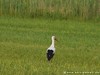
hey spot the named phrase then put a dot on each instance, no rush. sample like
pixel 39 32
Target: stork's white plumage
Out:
pixel 51 49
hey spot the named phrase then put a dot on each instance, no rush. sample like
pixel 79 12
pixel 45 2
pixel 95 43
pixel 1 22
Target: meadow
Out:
pixel 23 44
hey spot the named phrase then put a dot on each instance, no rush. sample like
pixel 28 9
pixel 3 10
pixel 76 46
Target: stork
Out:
pixel 51 49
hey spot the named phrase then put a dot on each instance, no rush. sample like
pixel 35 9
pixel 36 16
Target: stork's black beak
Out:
pixel 56 39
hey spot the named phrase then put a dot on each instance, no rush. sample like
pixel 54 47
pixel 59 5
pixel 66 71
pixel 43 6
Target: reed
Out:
pixel 84 9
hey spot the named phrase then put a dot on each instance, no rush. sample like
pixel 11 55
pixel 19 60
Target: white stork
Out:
pixel 51 49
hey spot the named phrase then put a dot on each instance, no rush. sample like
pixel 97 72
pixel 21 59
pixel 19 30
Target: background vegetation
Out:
pixel 83 9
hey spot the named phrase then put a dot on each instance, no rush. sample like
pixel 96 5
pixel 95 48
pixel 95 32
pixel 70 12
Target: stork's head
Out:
pixel 53 37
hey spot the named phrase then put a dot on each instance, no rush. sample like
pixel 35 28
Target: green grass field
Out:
pixel 23 44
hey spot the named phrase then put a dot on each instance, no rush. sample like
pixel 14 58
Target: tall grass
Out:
pixel 84 9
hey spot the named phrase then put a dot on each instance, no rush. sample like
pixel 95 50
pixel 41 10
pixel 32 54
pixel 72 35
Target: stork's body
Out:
pixel 51 49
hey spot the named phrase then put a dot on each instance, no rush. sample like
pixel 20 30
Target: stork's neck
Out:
pixel 52 45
